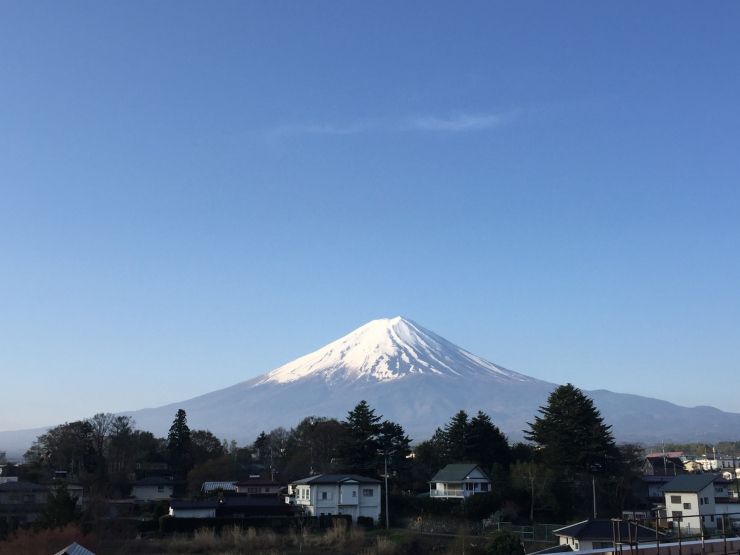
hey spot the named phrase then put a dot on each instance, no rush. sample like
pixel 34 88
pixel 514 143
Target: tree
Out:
pixel 359 450
pixel 60 509
pixel 570 433
pixel 572 439
pixel 179 444
pixel 535 479
pixel 456 438
pixel 395 445
pixel 487 445
pixel 311 447
pixel 66 447
pixel 504 543
pixel 205 446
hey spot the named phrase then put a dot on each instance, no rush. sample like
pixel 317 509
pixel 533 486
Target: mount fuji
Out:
pixel 414 377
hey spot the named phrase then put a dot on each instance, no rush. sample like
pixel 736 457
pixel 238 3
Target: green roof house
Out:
pixel 459 481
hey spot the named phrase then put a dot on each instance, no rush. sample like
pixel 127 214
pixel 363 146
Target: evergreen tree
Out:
pixel 179 444
pixel 261 446
pixel 394 444
pixel 456 438
pixel 487 445
pixel 571 433
pixel 359 450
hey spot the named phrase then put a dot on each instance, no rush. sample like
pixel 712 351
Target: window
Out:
pixel 484 487
pixel 706 500
pixel 354 493
pixel 701 501
pixel 367 492
pixel 675 498
pixel 677 516
pixel 687 505
pixel 323 495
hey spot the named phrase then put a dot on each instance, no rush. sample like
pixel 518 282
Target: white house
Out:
pixel 153 488
pixel 338 494
pixel 459 481
pixel 690 502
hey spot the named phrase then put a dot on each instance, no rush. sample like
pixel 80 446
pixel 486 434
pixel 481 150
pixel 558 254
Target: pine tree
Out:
pixel 179 444
pixel 456 438
pixel 487 445
pixel 571 433
pixel 359 450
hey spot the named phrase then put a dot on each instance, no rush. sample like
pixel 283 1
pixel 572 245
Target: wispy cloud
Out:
pixel 458 123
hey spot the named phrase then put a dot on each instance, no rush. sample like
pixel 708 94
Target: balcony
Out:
pixel 447 492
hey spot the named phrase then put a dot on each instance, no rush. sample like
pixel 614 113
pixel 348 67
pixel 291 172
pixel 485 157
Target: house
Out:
pixel 603 533
pixel 459 481
pixel 690 502
pixel 256 485
pixel 658 464
pixel 22 502
pixel 337 494
pixel 153 488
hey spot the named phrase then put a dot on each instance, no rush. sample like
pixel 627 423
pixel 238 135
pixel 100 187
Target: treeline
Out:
pixel 569 455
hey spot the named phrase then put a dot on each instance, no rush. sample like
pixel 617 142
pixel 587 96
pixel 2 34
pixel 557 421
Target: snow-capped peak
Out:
pixel 384 350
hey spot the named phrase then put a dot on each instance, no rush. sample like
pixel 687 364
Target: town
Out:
pixel 362 485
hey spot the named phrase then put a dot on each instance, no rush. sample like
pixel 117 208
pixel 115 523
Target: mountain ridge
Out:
pixel 414 377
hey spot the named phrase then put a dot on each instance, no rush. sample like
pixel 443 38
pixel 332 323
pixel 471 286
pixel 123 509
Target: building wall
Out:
pixel 193 513
pixel 345 499
pixel 152 493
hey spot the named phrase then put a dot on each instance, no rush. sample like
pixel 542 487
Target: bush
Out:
pixel 365 521
pixel 504 543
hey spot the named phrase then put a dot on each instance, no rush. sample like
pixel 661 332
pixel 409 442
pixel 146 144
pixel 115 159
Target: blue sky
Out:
pixel 193 193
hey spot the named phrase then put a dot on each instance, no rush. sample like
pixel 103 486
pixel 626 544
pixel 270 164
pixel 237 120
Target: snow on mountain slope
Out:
pixel 385 350
pixel 416 378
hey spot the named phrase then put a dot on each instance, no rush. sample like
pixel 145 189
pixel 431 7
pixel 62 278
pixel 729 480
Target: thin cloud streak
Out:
pixel 459 123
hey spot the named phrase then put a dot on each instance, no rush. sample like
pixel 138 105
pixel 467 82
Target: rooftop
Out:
pixel 336 479
pixel 456 472
pixel 605 530
pixel 691 483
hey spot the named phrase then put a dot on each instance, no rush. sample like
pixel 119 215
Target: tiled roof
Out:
pixel 215 486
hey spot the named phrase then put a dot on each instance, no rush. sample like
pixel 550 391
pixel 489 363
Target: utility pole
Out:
pixel 593 489
pixel 385 473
